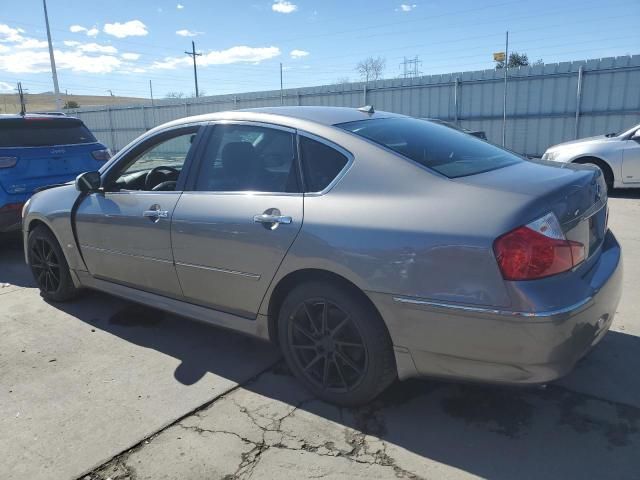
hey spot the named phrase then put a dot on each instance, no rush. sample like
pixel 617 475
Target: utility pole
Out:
pixel 281 91
pixel 151 92
pixel 504 100
pixel 193 54
pixel 54 73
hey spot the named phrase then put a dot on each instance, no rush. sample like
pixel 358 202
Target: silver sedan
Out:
pixel 369 246
pixel 617 155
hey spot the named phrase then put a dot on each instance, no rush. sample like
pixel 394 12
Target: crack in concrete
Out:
pixel 368 421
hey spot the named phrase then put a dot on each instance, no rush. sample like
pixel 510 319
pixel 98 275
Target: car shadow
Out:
pixel 563 431
pixel 625 193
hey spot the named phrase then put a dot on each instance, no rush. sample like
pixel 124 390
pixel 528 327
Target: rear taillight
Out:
pixel 537 250
pixel 101 155
pixel 8 162
pixel 11 207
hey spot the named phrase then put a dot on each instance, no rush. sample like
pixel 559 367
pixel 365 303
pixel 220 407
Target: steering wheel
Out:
pixel 151 180
pixel 168 186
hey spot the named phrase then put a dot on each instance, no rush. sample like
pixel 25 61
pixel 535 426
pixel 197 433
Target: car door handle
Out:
pixel 155 212
pixel 267 218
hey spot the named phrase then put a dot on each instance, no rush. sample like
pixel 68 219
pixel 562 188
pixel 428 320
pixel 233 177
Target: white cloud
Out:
pixel 187 33
pixel 90 32
pixel 298 53
pixel 9 34
pixel 32 61
pixel 179 6
pixel 407 7
pixel 132 28
pixel 22 54
pixel 236 54
pixel 6 87
pixel 90 47
pixel 15 36
pixel 29 43
pixel 283 6
pixel 130 56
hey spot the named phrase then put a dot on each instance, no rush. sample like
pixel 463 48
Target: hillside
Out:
pixel 10 103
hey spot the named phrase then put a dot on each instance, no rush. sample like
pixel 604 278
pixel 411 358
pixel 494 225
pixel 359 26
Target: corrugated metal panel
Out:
pixel 541 105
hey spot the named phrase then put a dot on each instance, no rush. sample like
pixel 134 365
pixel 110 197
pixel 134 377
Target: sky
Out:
pixel 119 45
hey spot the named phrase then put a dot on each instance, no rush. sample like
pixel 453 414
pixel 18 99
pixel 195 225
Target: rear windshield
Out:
pixel 443 149
pixel 30 132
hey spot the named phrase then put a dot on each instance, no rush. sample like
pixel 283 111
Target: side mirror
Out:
pixel 88 182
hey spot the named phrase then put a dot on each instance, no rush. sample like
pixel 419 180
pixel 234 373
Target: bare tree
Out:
pixel 342 80
pixel 371 68
pixel 174 95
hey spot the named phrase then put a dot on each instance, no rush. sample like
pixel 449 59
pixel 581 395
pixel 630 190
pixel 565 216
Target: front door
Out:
pixel 631 161
pixel 124 232
pixel 233 227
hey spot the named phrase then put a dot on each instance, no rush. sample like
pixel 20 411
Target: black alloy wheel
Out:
pixel 327 346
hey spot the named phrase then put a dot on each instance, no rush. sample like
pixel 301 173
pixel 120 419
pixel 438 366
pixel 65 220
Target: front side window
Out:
pixel 241 158
pixel 443 149
pixel 159 164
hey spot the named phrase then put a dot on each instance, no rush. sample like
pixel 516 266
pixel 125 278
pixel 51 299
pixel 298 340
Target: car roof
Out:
pixel 293 117
pixel 36 116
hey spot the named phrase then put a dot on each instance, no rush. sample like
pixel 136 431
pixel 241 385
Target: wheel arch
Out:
pixel 305 275
pixel 604 165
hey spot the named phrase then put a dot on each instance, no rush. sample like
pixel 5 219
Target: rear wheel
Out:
pixel 336 344
pixel 49 266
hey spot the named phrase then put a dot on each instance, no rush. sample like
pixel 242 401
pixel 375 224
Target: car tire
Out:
pixel 49 266
pixel 336 343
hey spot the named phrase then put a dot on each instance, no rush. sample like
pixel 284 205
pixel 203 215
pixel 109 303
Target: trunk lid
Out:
pixel 576 194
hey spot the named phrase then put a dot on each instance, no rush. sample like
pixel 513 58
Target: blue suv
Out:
pixel 37 150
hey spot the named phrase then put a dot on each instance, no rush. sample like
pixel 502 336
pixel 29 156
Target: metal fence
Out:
pixel 546 104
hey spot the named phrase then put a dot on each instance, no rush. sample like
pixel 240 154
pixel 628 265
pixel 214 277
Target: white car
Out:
pixel 617 155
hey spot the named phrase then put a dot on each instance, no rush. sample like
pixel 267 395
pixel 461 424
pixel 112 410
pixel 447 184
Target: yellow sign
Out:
pixel 498 57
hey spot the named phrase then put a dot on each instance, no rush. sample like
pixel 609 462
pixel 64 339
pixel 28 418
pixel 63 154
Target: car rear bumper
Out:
pixel 10 217
pixel 501 346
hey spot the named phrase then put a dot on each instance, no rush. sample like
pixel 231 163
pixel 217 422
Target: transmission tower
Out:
pixel 410 67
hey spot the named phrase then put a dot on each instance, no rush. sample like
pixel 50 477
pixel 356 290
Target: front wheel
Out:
pixel 49 266
pixel 336 344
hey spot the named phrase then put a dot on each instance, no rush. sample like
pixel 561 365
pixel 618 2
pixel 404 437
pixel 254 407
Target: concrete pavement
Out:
pixel 184 401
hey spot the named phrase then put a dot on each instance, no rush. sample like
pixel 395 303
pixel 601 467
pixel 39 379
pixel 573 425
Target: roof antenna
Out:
pixel 23 105
pixel 367 109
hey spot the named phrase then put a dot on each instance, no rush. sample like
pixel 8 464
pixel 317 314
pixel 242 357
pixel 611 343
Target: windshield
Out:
pixel 38 132
pixel 443 149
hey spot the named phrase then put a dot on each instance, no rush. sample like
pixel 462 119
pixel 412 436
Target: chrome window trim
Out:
pixel 240 192
pixel 330 144
pixel 253 123
pixel 493 311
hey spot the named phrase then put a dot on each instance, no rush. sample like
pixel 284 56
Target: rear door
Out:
pixel 233 227
pixel 124 232
pixel 47 150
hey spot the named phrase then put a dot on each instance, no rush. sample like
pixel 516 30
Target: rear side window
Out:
pixel 43 132
pixel 321 164
pixel 443 149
